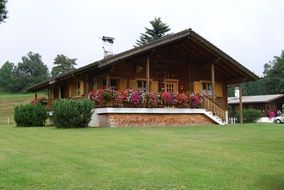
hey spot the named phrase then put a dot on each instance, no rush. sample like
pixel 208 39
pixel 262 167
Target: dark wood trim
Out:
pixel 213 81
pixel 148 74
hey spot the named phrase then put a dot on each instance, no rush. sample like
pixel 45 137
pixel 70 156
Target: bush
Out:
pixel 249 115
pixel 30 115
pixel 72 113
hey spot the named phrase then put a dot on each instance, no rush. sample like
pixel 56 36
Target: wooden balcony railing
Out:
pixel 214 107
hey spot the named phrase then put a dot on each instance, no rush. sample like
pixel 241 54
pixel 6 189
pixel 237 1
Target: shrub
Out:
pixel 72 113
pixel 30 115
pixel 249 115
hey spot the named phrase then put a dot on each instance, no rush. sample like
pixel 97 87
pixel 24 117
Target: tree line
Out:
pixel 31 70
pixel 271 83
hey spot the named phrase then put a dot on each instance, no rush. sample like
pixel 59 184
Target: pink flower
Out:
pixel 167 97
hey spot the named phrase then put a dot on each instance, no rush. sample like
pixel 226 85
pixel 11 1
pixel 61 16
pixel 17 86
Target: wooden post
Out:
pixel 189 79
pixel 107 81
pixel 59 92
pixel 213 81
pixel 148 75
pixel 35 96
pixel 241 104
pixel 49 97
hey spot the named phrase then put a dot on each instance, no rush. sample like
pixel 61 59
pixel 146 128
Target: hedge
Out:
pixel 72 113
pixel 30 115
pixel 249 115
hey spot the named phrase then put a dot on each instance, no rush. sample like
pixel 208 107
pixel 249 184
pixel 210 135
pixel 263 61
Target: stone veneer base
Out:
pixel 148 117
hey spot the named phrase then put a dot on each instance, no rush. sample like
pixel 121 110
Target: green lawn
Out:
pixel 207 157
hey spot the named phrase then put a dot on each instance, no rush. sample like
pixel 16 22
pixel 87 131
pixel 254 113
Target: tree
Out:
pixel 272 83
pixel 274 75
pixel 6 74
pixel 254 88
pixel 62 64
pixel 3 10
pixel 158 29
pixel 28 72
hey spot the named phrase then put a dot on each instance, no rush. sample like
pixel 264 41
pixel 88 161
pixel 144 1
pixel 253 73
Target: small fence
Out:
pixel 7 121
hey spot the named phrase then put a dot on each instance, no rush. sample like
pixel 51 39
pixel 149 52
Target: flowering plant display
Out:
pixel 139 98
pixel 168 97
pixel 120 98
pixel 97 96
pixel 152 99
pixel 196 100
pixel 182 100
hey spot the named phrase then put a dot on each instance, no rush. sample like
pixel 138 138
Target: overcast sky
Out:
pixel 250 31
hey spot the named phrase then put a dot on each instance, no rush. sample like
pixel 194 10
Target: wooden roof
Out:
pixel 255 99
pixel 186 44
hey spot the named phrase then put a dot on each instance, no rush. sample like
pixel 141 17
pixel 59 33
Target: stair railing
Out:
pixel 210 105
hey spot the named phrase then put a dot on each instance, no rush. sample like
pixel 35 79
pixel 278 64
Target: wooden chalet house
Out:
pixel 180 62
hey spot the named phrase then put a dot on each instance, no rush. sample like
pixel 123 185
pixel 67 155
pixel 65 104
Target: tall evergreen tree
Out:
pixel 158 29
pixel 62 64
pixel 3 10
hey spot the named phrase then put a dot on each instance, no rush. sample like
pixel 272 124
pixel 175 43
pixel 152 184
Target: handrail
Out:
pixel 214 107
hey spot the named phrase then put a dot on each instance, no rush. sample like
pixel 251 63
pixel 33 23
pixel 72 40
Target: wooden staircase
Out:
pixel 214 109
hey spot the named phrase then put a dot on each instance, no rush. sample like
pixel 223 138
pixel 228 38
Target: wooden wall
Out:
pixel 188 75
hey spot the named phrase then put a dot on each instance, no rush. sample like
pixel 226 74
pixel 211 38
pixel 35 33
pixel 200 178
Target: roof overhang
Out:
pixel 187 43
pixel 255 99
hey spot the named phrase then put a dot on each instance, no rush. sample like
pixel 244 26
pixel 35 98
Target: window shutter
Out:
pixel 154 87
pixel 197 87
pixel 122 84
pixel 82 87
pixel 133 84
pixel 219 90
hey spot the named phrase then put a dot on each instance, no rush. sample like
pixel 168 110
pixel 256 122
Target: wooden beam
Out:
pixel 148 74
pixel 107 81
pixel 49 97
pixel 236 80
pixel 189 79
pixel 213 81
pixel 241 104
pixel 59 91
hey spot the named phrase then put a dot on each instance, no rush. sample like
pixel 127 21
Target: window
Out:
pixel 113 84
pixel 76 88
pixel 207 88
pixel 141 85
pixel 171 86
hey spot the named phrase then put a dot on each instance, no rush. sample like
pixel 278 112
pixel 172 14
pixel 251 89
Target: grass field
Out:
pixel 207 157
pixel 8 102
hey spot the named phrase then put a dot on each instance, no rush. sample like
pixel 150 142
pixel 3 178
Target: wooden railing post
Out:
pixel 212 106
pixel 241 104
pixel 148 75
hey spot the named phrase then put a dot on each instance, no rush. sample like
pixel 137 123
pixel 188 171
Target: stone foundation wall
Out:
pixel 151 120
